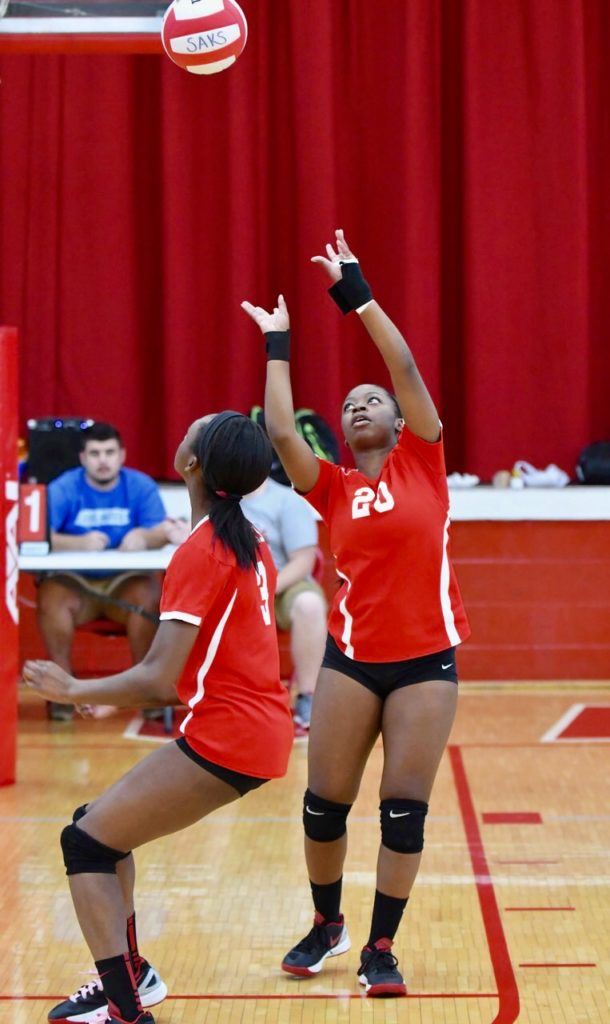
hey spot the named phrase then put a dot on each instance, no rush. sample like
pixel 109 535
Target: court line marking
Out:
pixel 553 735
pixel 534 745
pixel 508 992
pixel 227 997
pixel 557 965
pixel 540 908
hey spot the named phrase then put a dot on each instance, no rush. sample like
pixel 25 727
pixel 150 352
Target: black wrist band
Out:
pixel 277 344
pixel 351 291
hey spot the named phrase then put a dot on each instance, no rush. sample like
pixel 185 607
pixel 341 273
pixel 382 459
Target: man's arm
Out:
pixel 299 566
pixel 95 540
pixel 143 538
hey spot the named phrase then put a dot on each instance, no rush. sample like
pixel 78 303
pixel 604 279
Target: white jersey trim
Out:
pixel 348 625
pixel 448 617
pixel 193 620
pixel 207 661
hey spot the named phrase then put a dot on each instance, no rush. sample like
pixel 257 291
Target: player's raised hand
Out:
pixel 277 320
pixel 335 256
pixel 49 681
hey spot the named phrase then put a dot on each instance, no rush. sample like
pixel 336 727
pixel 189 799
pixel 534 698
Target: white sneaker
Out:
pixel 552 476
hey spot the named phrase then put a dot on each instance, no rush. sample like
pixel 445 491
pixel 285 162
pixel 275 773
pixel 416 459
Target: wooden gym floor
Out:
pixel 509 918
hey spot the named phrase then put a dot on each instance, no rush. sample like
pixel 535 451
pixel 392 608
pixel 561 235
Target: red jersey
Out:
pixel 399 598
pixel 239 714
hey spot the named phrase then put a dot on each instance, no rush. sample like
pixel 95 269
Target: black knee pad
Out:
pixel 79 813
pixel 402 824
pixel 324 820
pixel 84 855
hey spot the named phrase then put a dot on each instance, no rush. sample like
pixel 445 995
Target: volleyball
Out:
pixel 204 36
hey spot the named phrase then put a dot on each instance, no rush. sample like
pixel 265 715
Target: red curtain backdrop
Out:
pixel 463 147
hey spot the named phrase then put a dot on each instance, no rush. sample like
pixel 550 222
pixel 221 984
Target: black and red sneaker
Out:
pixel 113 1016
pixel 88 1005
pixel 326 938
pixel 144 1018
pixel 378 970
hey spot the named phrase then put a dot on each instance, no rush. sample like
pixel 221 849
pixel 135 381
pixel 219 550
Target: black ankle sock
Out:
pixel 132 942
pixel 327 899
pixel 387 912
pixel 119 986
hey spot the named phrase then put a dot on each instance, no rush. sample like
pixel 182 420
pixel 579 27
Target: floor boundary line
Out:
pixel 508 992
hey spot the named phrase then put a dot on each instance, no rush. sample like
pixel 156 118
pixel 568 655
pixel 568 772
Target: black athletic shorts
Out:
pixel 382 677
pixel 242 783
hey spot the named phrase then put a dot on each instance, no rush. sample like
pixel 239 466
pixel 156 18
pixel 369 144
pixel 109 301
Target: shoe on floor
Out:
pixel 326 938
pixel 144 1018
pixel 378 971
pixel 302 710
pixel 88 1005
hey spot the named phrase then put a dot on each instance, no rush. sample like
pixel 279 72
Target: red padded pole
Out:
pixel 9 507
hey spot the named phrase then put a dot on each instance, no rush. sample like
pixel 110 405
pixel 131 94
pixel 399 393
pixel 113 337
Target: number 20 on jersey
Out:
pixel 365 498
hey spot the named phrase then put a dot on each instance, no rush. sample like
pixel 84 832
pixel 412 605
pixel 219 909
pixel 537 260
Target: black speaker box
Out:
pixel 54 446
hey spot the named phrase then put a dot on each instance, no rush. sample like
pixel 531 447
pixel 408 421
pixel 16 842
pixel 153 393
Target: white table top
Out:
pixel 100 561
pixel 483 504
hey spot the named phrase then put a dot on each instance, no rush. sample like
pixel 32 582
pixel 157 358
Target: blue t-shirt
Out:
pixel 75 507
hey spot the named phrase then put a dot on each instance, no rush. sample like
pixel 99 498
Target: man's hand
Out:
pixel 135 540
pixel 96 540
pixel 333 259
pixel 50 681
pixel 177 531
pixel 278 320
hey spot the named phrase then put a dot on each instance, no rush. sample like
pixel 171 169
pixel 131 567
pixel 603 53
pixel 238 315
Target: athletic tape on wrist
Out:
pixel 351 292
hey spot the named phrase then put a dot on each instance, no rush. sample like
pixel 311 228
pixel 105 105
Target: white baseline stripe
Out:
pixel 551 735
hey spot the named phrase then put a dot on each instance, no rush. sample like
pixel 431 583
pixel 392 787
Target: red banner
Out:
pixel 9 510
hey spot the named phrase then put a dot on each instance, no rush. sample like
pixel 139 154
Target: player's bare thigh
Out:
pixel 416 724
pixel 345 722
pixel 162 794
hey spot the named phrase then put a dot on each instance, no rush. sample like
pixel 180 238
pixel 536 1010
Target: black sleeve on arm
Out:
pixel 277 344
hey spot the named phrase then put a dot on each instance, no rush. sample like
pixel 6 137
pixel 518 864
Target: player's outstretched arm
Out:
pixel 150 683
pixel 351 292
pixel 295 454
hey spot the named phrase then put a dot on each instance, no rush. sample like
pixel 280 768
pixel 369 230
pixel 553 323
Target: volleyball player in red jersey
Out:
pixel 389 665
pixel 215 651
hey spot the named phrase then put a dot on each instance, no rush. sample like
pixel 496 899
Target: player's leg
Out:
pixel 60 608
pixel 307 639
pixel 163 794
pixel 345 723
pixel 144 592
pixel 416 724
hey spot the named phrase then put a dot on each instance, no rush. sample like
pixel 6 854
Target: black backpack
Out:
pixel 593 465
pixel 313 429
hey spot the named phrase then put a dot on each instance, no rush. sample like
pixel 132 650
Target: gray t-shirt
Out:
pixel 285 520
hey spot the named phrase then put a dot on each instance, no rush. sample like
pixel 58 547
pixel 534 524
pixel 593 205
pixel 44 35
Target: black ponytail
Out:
pixel 235 456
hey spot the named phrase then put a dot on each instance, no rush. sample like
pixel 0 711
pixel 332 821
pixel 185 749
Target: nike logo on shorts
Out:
pixel 399 814
pixel 309 811
pixel 450 665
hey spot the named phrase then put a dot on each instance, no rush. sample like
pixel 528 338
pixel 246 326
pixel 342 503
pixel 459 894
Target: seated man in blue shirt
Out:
pixel 97 506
